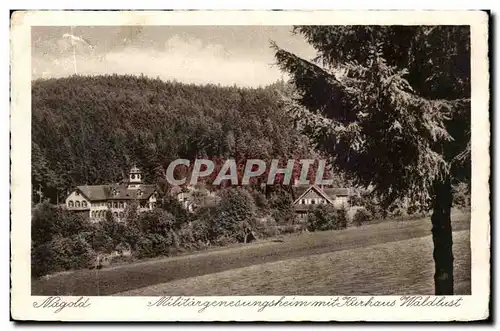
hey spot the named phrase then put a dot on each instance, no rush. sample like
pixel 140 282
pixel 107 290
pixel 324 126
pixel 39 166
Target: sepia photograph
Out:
pixel 285 160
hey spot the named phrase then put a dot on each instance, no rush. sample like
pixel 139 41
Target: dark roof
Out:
pixel 336 191
pixel 94 192
pixel 332 192
pixel 105 192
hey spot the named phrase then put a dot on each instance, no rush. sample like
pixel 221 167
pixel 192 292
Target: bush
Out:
pixel 61 254
pixel 153 245
pixel 371 203
pixel 281 207
pixel 42 260
pixel 59 240
pixel 362 216
pixel 235 217
pixel 292 228
pixel 341 218
pixel 49 221
pixel 194 235
pixel 99 239
pixel 260 201
pixel 326 217
pixel 267 227
pixel 171 205
pixel 157 221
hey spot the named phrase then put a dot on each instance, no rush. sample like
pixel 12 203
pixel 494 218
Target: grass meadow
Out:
pixel 393 257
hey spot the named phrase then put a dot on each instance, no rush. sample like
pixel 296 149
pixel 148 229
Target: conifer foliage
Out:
pixel 391 105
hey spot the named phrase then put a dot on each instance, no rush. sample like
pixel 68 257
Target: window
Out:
pixel 77 204
pixel 77 193
pixel 303 201
pixel 109 204
pixel 132 176
pixel 115 214
pixel 313 201
pixel 121 204
pixel 102 213
pixel 139 192
pixel 84 203
pixel 70 204
pixel 93 214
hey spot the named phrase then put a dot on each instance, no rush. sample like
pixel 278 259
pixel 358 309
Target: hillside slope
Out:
pixel 90 130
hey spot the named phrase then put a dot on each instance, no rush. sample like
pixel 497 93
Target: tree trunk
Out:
pixel 442 237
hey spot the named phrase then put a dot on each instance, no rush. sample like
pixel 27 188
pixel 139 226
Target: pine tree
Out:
pixel 391 105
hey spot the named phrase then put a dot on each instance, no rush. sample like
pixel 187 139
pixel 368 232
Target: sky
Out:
pixel 226 55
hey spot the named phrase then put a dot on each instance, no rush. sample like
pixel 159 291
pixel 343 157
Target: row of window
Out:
pixel 116 204
pixel 77 204
pixel 313 201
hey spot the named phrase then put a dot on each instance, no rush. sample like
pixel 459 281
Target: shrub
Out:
pixel 42 260
pixel 60 254
pixel 171 205
pixel 157 221
pixel 281 207
pixel 51 221
pixel 194 235
pixel 235 217
pixel 99 239
pixel 117 231
pixel 362 216
pixel 260 201
pixel 292 228
pixel 371 203
pixel 326 217
pixel 153 245
pixel 267 227
pixel 341 218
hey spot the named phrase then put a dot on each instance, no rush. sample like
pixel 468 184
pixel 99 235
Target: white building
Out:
pixel 314 195
pixel 97 199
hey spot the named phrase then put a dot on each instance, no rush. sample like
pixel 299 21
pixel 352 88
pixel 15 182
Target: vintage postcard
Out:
pixel 250 166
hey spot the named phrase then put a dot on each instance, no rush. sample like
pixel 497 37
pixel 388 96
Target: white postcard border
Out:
pixel 474 306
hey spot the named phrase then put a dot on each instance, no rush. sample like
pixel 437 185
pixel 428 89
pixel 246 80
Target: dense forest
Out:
pixel 91 130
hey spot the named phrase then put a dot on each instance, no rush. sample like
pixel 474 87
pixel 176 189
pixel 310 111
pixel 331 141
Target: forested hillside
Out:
pixel 90 130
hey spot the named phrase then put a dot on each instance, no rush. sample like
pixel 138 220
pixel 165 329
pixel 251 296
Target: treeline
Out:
pixel 65 240
pixel 91 130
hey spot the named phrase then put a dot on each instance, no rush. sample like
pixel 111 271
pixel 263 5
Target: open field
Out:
pixel 331 262
pixel 395 268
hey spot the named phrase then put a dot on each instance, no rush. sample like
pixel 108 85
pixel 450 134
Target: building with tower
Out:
pixel 96 200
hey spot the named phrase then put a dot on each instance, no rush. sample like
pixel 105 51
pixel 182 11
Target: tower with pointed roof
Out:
pixel 135 175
